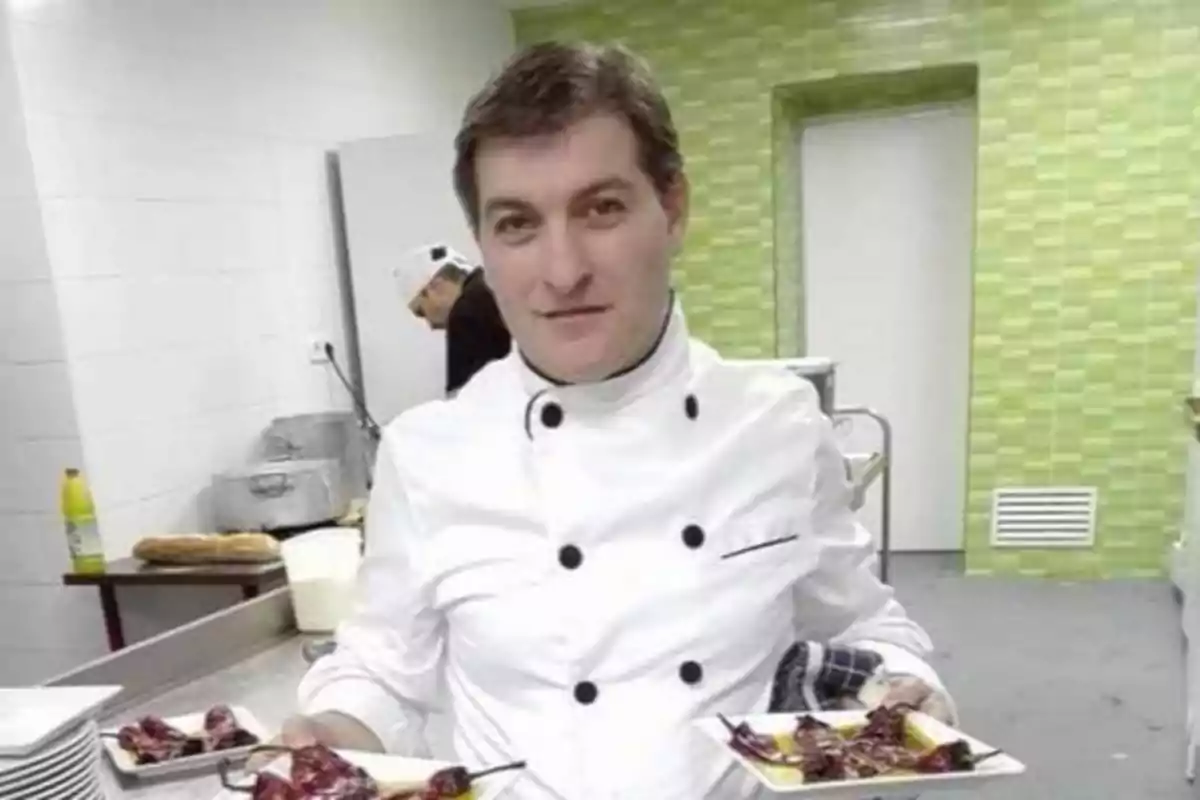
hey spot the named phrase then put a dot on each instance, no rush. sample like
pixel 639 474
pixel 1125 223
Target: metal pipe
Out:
pixel 885 524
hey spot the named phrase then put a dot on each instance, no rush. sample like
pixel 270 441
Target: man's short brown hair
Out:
pixel 549 86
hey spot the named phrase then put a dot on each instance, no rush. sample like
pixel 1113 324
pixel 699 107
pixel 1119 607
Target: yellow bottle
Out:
pixel 79 516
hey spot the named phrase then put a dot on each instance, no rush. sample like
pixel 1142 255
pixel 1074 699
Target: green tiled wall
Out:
pixel 1087 218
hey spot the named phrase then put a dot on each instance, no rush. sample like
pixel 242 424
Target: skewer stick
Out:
pixel 223 768
pixel 985 756
pixel 483 773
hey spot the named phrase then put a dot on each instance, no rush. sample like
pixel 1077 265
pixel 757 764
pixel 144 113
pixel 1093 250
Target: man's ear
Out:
pixel 676 203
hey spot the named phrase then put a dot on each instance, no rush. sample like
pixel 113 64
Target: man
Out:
pixel 613 531
pixel 452 296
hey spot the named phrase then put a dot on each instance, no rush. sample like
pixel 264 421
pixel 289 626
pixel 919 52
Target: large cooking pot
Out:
pixel 327 434
pixel 279 495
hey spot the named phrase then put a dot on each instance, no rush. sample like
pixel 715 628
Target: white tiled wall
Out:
pixel 177 150
pixel 43 627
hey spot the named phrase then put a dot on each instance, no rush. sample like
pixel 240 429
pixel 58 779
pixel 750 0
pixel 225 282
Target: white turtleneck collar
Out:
pixel 665 362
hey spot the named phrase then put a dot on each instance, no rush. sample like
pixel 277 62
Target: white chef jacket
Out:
pixel 577 572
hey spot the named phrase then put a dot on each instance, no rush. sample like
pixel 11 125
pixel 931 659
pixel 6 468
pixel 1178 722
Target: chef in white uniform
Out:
pixel 613 531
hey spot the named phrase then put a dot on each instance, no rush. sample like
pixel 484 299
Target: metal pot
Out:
pixel 329 434
pixel 278 495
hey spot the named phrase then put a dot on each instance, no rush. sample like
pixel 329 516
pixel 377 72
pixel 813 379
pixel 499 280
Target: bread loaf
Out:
pixel 208 548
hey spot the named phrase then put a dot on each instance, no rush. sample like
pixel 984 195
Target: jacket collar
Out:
pixel 665 363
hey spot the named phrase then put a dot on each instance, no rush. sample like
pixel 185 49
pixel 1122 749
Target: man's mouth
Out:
pixel 577 311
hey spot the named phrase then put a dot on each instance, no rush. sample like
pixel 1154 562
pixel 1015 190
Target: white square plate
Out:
pixel 36 715
pixel 391 770
pixel 785 780
pixel 190 724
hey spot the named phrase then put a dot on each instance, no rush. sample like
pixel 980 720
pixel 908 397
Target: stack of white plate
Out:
pixel 66 766
pixel 49 745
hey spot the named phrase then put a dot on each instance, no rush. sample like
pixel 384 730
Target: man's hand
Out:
pixel 902 690
pixel 907 690
pixel 328 728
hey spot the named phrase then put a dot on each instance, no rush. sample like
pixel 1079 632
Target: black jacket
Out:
pixel 475 332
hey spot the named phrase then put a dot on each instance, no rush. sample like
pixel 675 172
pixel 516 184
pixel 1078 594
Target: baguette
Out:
pixel 208 548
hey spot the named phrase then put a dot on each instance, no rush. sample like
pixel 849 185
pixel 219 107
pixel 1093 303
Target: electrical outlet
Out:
pixel 316 349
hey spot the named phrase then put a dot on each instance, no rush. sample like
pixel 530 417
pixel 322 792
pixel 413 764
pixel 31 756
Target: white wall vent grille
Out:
pixel 1044 516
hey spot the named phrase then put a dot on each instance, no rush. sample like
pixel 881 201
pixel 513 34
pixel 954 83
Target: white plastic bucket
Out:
pixel 322 569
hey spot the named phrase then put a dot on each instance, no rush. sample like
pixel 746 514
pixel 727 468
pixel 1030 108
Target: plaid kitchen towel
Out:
pixel 815 677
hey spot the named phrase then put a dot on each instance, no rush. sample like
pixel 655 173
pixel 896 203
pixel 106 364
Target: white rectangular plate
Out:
pixel 395 770
pixel 777 779
pixel 36 715
pixel 190 724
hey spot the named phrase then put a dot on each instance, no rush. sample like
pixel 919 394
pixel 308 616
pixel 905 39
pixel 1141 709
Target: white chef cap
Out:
pixel 422 263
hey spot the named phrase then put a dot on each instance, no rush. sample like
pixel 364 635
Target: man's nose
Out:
pixel 567 266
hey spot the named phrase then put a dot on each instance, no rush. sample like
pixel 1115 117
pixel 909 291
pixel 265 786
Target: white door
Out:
pixel 887 214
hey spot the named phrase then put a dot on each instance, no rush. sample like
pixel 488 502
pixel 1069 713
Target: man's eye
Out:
pixel 512 225
pixel 607 206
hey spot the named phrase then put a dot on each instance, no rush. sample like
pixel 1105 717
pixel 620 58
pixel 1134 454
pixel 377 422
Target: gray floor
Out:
pixel 1081 681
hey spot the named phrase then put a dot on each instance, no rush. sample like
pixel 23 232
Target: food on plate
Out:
pixel 151 740
pixel 223 730
pixel 208 548
pixel 884 746
pixel 319 772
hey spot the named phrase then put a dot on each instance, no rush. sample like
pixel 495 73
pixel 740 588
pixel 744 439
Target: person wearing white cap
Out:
pixel 443 288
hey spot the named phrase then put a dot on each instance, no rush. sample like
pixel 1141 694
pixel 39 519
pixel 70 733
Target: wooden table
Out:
pixel 252 578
